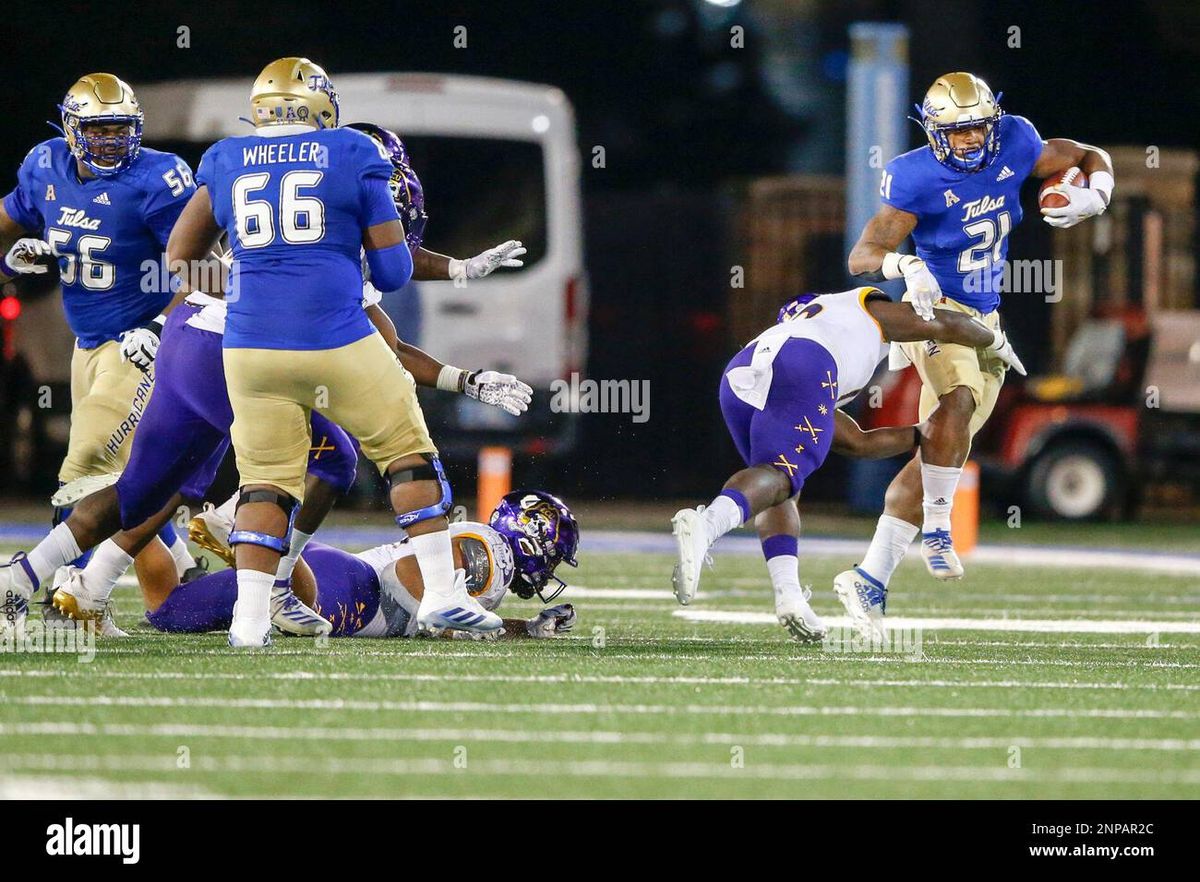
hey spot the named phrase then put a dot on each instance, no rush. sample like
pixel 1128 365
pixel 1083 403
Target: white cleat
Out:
pixel 865 600
pixel 73 491
pixel 459 612
pixel 71 597
pixel 210 530
pixel 14 601
pixel 691 542
pixel 799 619
pixel 291 615
pixel 940 558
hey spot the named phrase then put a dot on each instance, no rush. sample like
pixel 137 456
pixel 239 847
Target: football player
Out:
pixel 102 206
pixel 299 199
pixel 958 197
pixel 185 437
pixel 780 397
pixel 377 593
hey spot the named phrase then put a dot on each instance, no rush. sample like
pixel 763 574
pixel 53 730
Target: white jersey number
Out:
pixel 991 234
pixel 301 218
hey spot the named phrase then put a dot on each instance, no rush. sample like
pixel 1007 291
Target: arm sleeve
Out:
pixel 162 209
pixel 899 187
pixel 391 267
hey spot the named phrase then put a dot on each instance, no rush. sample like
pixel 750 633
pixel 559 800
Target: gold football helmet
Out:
pixel 959 101
pixel 94 112
pixel 294 90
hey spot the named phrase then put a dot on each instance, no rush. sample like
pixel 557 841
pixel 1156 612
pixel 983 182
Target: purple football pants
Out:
pixel 184 431
pixel 794 430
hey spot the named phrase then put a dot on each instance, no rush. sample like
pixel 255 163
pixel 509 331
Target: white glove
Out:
pixel 1084 203
pixel 140 345
pixel 922 287
pixel 499 390
pixel 23 257
pixel 504 254
pixel 552 621
pixel 1003 350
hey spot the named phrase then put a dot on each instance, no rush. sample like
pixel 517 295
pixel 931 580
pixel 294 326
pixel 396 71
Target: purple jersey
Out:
pixel 964 218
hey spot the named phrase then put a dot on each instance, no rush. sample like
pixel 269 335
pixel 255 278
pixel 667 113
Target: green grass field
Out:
pixel 640 702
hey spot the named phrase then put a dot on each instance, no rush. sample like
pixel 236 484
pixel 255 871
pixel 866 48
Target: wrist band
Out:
pixel 1102 182
pixel 451 379
pixel 457 268
pixel 893 264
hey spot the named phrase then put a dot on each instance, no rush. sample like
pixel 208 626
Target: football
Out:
pixel 1050 197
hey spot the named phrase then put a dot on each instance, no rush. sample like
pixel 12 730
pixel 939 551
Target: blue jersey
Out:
pixel 109 233
pixel 295 202
pixel 964 218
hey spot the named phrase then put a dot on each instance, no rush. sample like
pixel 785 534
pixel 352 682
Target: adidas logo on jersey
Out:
pixel 951 199
pixel 1005 174
pixel 102 199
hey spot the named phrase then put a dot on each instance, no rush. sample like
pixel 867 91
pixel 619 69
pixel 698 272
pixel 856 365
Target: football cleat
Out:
pixel 243 635
pixel 72 602
pixel 291 615
pixel 73 491
pixel 940 559
pixel 691 542
pixel 865 600
pixel 70 596
pixel 14 599
pixel 210 531
pixel 460 611
pixel 799 620
pixel 192 573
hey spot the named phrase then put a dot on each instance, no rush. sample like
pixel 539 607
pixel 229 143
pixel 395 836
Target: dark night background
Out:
pixel 683 117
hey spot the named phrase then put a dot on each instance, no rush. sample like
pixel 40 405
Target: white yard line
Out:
pixel 373 767
pixel 904 623
pixel 143 701
pixel 582 679
pixel 1055 557
pixel 522 736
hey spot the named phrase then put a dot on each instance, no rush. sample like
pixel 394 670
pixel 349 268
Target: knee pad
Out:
pixel 252 537
pixel 432 471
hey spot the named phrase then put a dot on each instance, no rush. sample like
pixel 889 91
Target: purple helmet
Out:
pixel 542 533
pixel 793 308
pixel 404 184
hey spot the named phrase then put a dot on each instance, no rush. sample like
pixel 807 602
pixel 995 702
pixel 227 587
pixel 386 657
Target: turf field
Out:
pixel 1099 699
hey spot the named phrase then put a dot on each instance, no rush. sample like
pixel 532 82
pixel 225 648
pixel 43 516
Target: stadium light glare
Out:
pixel 541 123
pixel 727 4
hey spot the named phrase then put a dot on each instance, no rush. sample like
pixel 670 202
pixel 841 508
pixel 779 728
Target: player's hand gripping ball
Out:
pixel 1065 199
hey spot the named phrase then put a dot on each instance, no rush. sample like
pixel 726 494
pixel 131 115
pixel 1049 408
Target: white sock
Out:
pixel 179 552
pixel 785 578
pixel 252 612
pixel 58 549
pixel 940 483
pixel 435 557
pixel 287 563
pixel 721 516
pixel 888 547
pixel 109 562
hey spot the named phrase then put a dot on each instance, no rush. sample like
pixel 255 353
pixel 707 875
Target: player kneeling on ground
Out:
pixel 377 593
pixel 779 396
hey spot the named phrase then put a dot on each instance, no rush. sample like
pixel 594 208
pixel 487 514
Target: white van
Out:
pixel 498 160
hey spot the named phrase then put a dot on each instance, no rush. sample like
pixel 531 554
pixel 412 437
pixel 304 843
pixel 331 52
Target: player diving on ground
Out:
pixel 377 593
pixel 780 397
pixel 959 199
